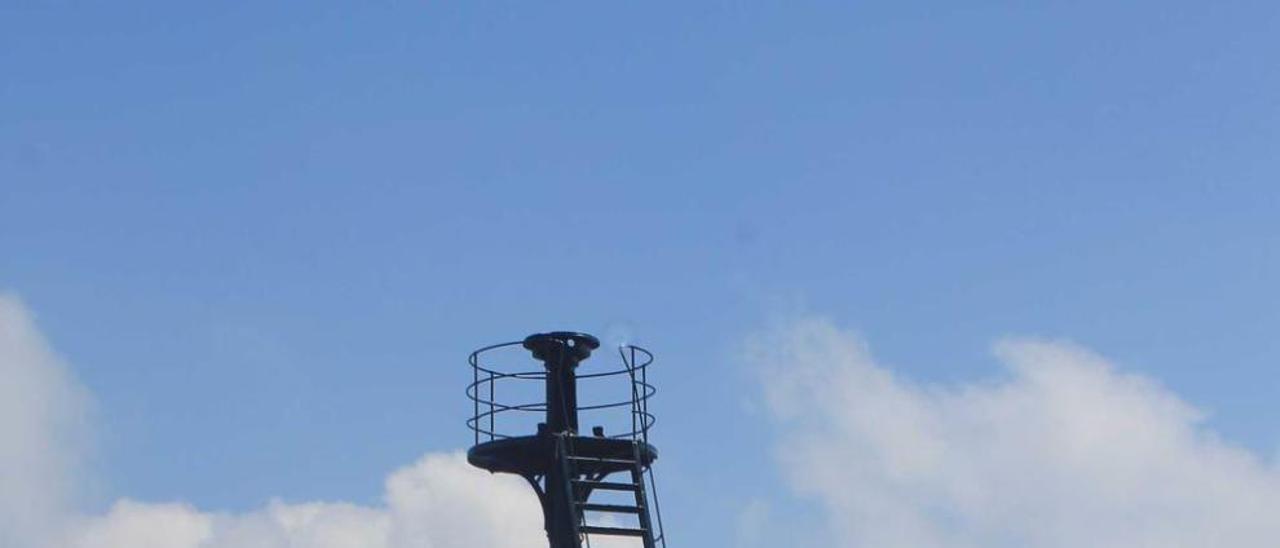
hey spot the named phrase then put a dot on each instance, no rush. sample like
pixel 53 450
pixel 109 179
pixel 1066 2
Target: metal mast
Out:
pixel 562 465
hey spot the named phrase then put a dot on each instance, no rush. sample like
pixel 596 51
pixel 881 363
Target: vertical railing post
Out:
pixel 492 429
pixel 644 397
pixel 475 401
pixel 631 374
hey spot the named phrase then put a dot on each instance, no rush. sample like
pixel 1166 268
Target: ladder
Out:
pixel 587 474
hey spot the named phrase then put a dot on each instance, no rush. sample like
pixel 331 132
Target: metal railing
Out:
pixel 489 411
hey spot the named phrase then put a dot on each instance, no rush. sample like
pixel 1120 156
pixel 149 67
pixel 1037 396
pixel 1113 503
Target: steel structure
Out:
pixel 570 471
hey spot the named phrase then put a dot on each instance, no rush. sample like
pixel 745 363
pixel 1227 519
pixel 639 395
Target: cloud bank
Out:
pixel 1063 451
pixel 438 502
pixel 42 431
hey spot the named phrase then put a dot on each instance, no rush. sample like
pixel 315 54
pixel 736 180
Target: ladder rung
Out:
pixel 607 485
pixel 601 460
pixel 622 508
pixel 619 531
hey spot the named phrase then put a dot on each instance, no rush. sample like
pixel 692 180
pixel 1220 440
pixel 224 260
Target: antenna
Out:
pixel 566 468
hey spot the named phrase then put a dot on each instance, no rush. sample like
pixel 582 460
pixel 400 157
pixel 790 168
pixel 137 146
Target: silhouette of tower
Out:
pixel 572 473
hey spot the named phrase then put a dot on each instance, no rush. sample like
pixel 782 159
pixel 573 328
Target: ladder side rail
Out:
pixel 570 495
pixel 642 498
pixel 657 508
pixel 565 450
pixel 638 420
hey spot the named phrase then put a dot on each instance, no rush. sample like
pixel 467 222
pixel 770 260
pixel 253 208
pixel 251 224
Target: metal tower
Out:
pixel 569 470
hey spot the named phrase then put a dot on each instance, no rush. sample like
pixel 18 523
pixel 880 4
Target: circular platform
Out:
pixel 535 455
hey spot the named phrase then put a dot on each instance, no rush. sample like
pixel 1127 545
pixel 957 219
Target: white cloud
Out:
pixel 439 502
pixel 1064 451
pixel 142 526
pixel 42 430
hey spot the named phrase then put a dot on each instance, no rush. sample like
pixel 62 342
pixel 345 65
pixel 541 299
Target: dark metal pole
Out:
pixel 561 352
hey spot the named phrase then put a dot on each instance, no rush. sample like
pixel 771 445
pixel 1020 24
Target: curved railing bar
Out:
pixel 474 360
pixel 472 389
pixel 542 406
pixel 487 375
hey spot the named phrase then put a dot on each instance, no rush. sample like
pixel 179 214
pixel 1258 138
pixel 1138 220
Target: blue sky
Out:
pixel 266 236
